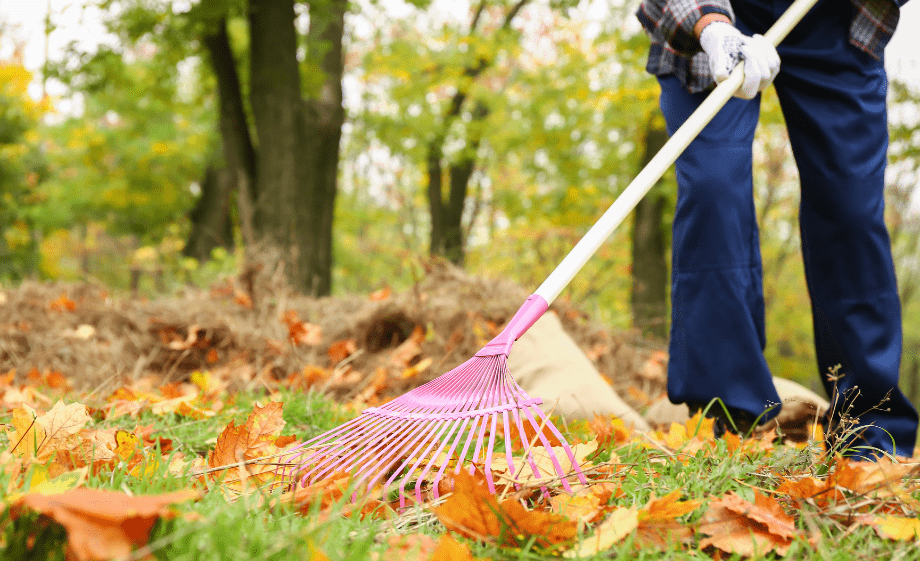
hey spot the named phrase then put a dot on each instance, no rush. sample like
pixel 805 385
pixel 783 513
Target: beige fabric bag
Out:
pixel 547 363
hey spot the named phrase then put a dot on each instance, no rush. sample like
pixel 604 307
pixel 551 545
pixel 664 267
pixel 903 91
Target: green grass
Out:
pixel 256 527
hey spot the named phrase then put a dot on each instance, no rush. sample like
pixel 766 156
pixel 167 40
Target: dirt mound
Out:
pixel 373 346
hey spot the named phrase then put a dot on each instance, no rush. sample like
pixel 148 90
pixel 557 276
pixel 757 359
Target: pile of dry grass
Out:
pixel 95 338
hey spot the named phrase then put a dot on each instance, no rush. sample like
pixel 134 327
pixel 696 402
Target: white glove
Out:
pixel 726 47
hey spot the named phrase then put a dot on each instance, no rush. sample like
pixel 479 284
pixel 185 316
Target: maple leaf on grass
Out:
pixel 40 437
pixel 103 524
pixel 473 512
pixel 658 525
pixel 735 525
pixel 254 439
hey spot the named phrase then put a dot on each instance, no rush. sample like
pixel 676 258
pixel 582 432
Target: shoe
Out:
pixel 737 421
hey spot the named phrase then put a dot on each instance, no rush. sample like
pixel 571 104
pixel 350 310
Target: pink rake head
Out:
pixel 453 419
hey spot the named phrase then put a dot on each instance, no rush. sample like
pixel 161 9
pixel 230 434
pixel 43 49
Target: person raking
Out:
pixel 831 87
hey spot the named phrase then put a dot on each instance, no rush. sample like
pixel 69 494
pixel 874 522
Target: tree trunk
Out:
pixel 435 198
pixel 447 217
pixel 238 152
pixel 211 223
pixel 649 260
pixel 324 116
pixel 277 109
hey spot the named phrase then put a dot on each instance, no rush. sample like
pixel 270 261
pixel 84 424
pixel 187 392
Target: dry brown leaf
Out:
pixel 301 333
pixel 611 531
pixel 104 524
pixel 882 477
pixel 340 350
pixel 253 439
pixel 735 525
pixel 610 431
pixel 658 525
pixel 472 511
pixel 61 424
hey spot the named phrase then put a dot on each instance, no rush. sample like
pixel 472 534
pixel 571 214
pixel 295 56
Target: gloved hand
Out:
pixel 726 47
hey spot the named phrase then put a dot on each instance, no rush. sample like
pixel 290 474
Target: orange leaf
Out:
pixel 883 477
pixel 738 526
pixel 380 295
pixel 658 523
pixel 104 524
pixel 449 549
pixel 253 439
pixel 473 512
pixel 300 333
pixel 340 350
pixel 610 431
pixel 62 303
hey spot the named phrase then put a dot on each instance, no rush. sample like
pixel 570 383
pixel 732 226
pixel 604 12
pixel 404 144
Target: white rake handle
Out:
pixel 627 201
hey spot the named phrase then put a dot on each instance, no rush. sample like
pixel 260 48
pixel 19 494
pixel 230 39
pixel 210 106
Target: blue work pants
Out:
pixel 833 99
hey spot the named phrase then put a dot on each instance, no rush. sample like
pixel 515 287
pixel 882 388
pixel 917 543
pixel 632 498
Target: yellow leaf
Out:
pixel 27 434
pixel 616 527
pixel 896 527
pixel 126 444
pixel 63 482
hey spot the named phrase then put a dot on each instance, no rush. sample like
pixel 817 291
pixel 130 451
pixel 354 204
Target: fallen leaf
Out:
pixel 472 511
pixel 104 524
pixel 253 439
pixel 449 549
pixel 301 333
pixel 409 547
pixel 610 431
pixel 894 527
pixel 611 531
pixel 27 434
pixel 125 444
pixel 62 303
pixel 380 295
pixel 61 424
pixel 658 525
pixel 735 525
pixel 340 350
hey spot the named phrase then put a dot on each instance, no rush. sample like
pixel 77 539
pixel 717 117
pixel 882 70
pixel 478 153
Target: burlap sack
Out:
pixel 800 406
pixel 547 363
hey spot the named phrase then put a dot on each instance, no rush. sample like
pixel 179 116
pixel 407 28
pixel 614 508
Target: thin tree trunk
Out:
pixel 277 109
pixel 236 142
pixel 435 198
pixel 211 223
pixel 649 260
pixel 447 217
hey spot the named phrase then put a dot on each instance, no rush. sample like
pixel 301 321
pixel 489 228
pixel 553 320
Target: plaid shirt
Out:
pixel 675 50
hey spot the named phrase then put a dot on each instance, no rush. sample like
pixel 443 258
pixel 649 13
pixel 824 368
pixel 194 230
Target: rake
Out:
pixel 453 421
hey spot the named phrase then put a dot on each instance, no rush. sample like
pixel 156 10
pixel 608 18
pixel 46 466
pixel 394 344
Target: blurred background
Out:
pixel 148 145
